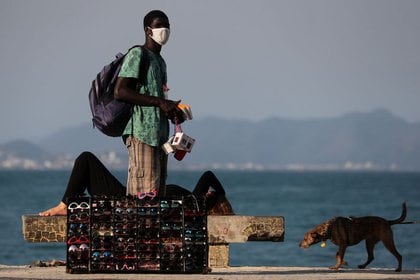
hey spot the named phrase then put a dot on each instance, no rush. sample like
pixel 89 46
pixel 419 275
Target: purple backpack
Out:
pixel 110 115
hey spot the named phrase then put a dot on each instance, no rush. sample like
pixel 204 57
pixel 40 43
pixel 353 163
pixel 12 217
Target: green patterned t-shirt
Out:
pixel 148 123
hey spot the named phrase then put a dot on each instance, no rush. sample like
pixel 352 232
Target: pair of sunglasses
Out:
pixel 78 240
pixel 102 204
pixel 149 265
pixel 172 256
pixel 125 266
pixel 78 229
pixel 106 255
pixel 81 217
pixel 150 195
pixel 148 211
pixel 170 226
pixel 78 206
pixel 78 252
pixel 102 243
pixel 195 233
pixel 149 256
pixel 126 256
pixel 170 203
pixel 102 266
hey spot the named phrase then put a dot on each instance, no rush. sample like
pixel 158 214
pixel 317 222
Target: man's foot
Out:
pixel 59 210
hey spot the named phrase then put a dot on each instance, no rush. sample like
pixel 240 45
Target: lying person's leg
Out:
pixel 88 174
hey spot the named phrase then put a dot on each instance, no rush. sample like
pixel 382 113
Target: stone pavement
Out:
pixel 243 273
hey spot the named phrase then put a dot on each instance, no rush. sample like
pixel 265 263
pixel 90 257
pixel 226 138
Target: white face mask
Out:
pixel 160 35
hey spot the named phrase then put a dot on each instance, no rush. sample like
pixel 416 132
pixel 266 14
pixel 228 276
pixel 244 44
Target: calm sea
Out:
pixel 305 199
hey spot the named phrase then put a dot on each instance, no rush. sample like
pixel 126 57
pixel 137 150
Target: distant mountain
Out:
pixel 22 149
pixel 75 139
pixel 376 139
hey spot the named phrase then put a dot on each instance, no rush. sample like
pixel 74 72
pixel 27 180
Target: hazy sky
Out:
pixel 234 59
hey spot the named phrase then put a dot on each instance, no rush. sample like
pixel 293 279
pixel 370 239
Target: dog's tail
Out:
pixel 402 218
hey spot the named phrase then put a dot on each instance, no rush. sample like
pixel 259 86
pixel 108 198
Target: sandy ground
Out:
pixel 243 273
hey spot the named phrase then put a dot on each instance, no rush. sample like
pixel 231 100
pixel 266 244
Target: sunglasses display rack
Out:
pixel 133 235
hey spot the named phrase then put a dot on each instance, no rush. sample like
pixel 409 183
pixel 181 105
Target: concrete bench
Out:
pixel 222 230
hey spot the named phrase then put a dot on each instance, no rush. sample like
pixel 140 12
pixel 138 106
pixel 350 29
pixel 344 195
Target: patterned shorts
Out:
pixel 147 167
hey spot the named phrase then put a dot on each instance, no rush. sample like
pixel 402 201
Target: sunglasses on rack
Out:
pixel 102 266
pixel 172 256
pixel 78 229
pixel 149 256
pixel 126 244
pixel 125 266
pixel 122 214
pixel 103 233
pixel 149 265
pixel 98 212
pixel 172 247
pixel 78 240
pixel 170 203
pixel 172 240
pixel 126 256
pixel 195 233
pixel 78 252
pixel 150 195
pixel 98 256
pixel 101 226
pixel 102 243
pixel 148 211
pixel 125 228
pixel 125 203
pixel 78 206
pixel 171 226
pixel 149 223
pixel 103 204
pixel 81 217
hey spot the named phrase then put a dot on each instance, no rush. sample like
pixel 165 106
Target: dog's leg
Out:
pixel 370 245
pixel 339 257
pixel 389 244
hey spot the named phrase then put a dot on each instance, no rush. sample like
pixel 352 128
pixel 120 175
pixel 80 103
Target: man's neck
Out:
pixel 152 46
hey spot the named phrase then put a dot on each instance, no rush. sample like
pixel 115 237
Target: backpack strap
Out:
pixel 144 66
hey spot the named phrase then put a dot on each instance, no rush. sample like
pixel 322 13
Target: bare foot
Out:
pixel 59 210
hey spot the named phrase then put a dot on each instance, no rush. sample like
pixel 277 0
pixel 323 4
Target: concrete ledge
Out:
pixel 44 229
pixel 221 229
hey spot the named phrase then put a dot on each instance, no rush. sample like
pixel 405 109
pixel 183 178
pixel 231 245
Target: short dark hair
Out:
pixel 148 19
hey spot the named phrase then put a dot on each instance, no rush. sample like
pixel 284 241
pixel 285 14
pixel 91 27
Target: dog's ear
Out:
pixel 315 235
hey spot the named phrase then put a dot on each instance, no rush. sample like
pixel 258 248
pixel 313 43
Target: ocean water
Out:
pixel 305 199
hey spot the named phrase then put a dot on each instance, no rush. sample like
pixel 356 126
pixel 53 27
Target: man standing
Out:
pixel 148 128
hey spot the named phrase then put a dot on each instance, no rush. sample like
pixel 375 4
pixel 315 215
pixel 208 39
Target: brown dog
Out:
pixel 345 232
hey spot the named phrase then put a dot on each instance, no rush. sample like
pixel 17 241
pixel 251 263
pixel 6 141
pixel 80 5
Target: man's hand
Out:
pixel 171 110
